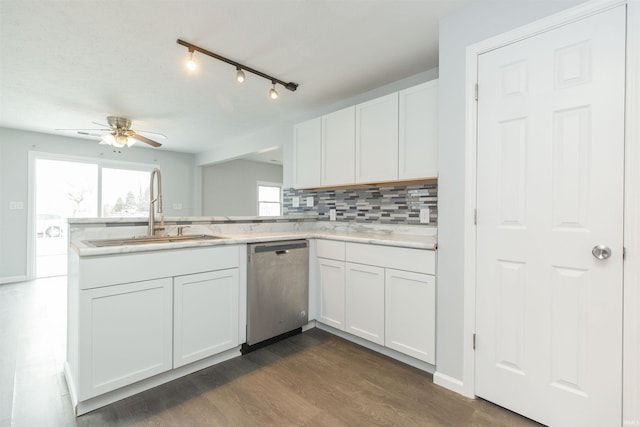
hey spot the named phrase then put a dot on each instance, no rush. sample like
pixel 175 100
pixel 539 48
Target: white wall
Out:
pixel 465 27
pixel 282 133
pixel 178 179
pixel 230 188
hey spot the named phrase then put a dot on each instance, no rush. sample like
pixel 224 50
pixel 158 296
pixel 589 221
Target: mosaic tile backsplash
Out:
pixel 393 204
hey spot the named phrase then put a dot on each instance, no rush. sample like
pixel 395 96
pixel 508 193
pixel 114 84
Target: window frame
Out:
pixel 259 202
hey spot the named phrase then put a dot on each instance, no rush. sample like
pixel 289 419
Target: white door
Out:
pixel 332 292
pixel 377 140
pixel 205 315
pixel 550 188
pixel 410 313
pixel 306 153
pixel 338 147
pixel 365 302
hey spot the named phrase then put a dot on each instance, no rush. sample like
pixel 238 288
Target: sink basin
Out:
pixel 146 240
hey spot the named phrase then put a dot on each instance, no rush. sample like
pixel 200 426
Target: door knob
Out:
pixel 601 251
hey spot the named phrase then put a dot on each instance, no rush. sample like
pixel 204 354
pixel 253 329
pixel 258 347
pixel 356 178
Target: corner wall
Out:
pixel 230 188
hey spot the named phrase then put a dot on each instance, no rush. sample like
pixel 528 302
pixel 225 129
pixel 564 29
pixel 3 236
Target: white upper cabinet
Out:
pixel 377 140
pixel 418 132
pixel 306 153
pixel 338 148
pixel 391 138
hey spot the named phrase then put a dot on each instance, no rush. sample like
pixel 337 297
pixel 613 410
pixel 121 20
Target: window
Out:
pixel 125 193
pixel 269 199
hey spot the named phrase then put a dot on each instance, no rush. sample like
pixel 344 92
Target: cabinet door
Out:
pixel 306 154
pixel 377 140
pixel 331 310
pixel 338 147
pixel 410 314
pixel 126 335
pixel 418 133
pixel 205 315
pixel 365 302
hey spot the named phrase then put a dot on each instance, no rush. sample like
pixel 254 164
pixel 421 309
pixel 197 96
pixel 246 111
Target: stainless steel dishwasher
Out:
pixel 277 290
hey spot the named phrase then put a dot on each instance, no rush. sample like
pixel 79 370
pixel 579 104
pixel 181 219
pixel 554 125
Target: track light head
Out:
pixel 240 77
pixel 191 64
pixel 273 93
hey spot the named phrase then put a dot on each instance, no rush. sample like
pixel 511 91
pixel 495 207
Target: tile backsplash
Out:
pixel 389 204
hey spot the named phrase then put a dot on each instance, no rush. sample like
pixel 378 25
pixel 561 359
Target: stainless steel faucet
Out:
pixel 152 204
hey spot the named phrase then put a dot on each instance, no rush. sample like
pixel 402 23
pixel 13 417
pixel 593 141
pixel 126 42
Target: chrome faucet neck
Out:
pixel 152 203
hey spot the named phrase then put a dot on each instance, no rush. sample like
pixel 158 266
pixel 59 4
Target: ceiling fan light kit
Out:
pixel 120 134
pixel 240 69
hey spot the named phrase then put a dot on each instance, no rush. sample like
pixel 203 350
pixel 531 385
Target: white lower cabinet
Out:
pixel 135 316
pixel 365 302
pixel 383 294
pixel 410 317
pixel 332 293
pixel 205 317
pixel 126 333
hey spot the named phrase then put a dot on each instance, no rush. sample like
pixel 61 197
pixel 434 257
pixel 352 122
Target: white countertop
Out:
pixel 399 240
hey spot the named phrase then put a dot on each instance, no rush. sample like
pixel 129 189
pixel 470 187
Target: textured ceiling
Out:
pixel 65 64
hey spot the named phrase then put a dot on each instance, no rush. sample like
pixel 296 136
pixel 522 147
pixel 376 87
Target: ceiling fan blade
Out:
pixel 100 130
pixel 100 124
pixel 161 135
pixel 88 134
pixel 141 138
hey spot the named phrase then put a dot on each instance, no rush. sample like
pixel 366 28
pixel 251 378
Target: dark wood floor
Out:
pixel 312 379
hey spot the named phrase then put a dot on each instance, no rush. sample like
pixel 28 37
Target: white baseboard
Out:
pixel 408 360
pixel 451 383
pixel 12 279
pixel 94 403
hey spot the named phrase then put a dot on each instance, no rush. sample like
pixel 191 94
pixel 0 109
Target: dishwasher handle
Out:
pixel 280 248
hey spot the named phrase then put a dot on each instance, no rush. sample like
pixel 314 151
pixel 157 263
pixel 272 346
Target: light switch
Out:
pixel 424 215
pixel 295 201
pixel 310 201
pixel 177 206
pixel 16 206
pixel 332 214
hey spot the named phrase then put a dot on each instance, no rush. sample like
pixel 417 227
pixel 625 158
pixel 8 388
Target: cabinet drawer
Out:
pixel 134 267
pixel 331 249
pixel 417 260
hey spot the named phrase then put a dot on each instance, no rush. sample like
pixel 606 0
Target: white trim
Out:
pixel 632 294
pixel 631 319
pixel 401 357
pixel 12 279
pixel 450 383
pixel 94 403
pixel 267 184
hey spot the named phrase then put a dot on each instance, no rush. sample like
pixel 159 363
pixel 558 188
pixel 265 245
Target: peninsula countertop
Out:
pixel 83 249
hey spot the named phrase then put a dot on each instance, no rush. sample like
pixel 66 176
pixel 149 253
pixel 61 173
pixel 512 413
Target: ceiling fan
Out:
pixel 118 133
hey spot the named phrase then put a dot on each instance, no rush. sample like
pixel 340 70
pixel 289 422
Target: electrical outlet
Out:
pixel 310 201
pixel 424 215
pixel 295 201
pixel 332 214
pixel 177 206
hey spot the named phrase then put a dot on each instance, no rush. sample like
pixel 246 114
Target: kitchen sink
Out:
pixel 146 240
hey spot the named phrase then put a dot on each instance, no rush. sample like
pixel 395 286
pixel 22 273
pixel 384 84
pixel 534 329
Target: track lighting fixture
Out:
pixel 240 75
pixel 191 64
pixel 240 69
pixel 273 93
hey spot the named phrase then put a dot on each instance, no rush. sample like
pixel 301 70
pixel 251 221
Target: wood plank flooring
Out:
pixel 312 379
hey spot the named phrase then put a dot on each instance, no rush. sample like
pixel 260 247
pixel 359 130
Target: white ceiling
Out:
pixel 66 64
